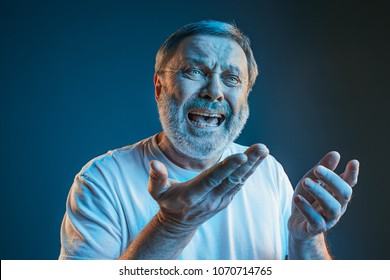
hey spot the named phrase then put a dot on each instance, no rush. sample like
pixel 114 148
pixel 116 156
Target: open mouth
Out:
pixel 205 119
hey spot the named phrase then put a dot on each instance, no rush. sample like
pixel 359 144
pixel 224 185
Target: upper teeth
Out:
pixel 207 115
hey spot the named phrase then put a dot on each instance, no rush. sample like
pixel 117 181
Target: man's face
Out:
pixel 202 95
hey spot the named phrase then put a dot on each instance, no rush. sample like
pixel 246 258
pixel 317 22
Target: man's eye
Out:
pixel 194 72
pixel 232 80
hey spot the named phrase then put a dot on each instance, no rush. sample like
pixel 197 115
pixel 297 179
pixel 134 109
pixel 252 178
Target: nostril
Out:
pixel 211 97
pixel 220 98
pixel 207 97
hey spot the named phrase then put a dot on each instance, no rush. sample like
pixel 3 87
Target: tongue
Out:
pixel 203 119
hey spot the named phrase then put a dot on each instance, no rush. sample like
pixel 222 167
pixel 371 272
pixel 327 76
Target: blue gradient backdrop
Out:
pixel 77 80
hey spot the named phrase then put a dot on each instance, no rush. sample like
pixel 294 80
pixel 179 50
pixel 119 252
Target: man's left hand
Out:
pixel 321 197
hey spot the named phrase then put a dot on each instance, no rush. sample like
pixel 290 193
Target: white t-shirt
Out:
pixel 109 205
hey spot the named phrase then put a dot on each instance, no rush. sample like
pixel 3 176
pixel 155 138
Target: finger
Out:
pixel 314 219
pixel 342 191
pixel 351 173
pixel 212 177
pixel 256 154
pixel 158 179
pixel 330 206
pixel 330 160
pixel 233 183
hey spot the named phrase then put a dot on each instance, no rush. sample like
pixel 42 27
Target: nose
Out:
pixel 213 90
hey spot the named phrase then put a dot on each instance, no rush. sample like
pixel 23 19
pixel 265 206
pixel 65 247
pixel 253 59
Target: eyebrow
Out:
pixel 196 61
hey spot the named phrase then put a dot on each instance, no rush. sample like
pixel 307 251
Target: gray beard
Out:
pixel 197 143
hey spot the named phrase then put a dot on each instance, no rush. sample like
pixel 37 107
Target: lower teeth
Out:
pixel 204 124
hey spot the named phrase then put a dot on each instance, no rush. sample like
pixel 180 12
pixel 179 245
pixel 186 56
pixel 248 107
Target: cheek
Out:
pixel 185 89
pixel 236 101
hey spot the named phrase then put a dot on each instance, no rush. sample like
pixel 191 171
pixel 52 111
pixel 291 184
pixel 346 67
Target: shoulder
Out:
pixel 115 162
pixel 103 179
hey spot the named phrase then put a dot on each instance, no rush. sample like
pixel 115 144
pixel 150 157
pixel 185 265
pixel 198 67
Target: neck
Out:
pixel 181 160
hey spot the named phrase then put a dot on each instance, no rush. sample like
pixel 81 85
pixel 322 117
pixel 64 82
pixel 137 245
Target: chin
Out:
pixel 200 147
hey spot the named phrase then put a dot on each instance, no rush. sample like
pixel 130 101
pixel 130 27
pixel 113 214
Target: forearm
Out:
pixel 311 249
pixel 156 242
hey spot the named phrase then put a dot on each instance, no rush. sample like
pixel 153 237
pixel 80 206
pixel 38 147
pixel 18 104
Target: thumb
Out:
pixel 158 179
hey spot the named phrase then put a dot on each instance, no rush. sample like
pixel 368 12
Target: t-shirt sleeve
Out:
pixel 90 228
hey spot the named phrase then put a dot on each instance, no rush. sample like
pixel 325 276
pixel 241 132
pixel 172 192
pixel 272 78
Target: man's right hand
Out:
pixel 184 206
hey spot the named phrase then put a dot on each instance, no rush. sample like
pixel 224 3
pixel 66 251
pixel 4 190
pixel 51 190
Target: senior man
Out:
pixel 190 192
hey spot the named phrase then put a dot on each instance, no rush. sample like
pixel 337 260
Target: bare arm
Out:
pixel 155 242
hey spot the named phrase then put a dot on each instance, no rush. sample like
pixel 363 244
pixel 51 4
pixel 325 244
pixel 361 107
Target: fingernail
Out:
pixel 262 147
pixel 153 167
pixel 356 163
pixel 320 170
pixel 262 152
pixel 297 199
pixel 307 183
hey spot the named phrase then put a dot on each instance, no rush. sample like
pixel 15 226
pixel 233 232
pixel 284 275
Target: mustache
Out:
pixel 207 105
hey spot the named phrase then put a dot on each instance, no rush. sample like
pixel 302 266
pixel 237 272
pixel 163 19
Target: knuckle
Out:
pixel 211 181
pixel 208 207
pixel 225 202
pixel 233 180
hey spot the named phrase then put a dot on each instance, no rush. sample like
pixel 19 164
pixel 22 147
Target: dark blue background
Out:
pixel 76 80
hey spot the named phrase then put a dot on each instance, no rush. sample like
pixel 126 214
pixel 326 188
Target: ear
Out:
pixel 157 86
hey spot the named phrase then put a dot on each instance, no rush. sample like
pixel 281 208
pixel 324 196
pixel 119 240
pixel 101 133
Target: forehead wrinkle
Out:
pixel 204 62
pixel 212 52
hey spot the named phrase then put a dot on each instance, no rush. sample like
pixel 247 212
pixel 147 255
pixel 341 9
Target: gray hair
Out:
pixel 209 27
